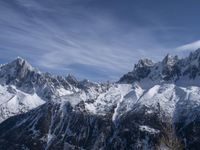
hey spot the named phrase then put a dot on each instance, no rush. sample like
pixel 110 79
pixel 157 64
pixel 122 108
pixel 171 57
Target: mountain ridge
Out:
pixel 145 109
pixel 170 69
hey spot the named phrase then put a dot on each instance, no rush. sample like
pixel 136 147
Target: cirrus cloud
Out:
pixel 190 46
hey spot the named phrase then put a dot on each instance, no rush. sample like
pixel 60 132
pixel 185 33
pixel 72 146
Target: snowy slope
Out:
pixel 13 102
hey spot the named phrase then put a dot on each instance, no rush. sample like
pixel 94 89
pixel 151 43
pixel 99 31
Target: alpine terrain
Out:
pixel 156 106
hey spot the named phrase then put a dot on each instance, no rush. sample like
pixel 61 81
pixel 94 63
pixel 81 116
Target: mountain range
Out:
pixel 155 106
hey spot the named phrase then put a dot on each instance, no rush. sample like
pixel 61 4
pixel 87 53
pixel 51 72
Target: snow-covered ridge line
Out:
pixel 170 70
pixel 148 80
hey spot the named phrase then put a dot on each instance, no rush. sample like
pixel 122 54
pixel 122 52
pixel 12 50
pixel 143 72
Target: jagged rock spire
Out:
pixel 144 63
pixel 72 79
pixel 170 60
pixel 21 63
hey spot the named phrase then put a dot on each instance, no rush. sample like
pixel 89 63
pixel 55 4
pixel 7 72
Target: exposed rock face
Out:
pixel 53 126
pixel 155 106
pixel 170 69
pixel 140 71
pixel 26 78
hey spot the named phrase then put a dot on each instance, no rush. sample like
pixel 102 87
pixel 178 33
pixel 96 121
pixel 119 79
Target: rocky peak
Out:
pixel 72 79
pixel 17 69
pixel 21 63
pixel 170 60
pixel 144 63
pixel 141 70
pixel 194 55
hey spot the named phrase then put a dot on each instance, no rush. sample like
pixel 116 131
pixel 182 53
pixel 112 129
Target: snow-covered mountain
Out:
pixel 155 106
pixel 23 88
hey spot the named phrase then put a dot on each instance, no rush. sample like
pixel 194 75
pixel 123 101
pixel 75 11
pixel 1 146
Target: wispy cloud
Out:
pixel 63 37
pixel 190 46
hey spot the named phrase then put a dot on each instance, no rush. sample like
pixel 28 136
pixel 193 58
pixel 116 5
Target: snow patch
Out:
pixel 148 129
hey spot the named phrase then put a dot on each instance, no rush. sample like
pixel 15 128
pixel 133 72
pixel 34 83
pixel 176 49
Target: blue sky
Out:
pixel 96 39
